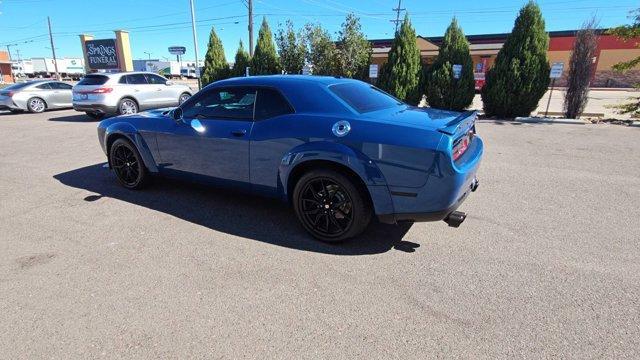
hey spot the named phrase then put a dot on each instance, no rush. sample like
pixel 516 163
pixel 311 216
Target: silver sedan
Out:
pixel 36 96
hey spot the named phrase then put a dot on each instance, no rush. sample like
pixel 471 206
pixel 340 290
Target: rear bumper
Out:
pixel 429 216
pixel 95 108
pixel 8 104
pixel 445 190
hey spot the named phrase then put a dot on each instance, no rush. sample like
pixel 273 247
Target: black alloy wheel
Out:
pixel 127 164
pixel 330 207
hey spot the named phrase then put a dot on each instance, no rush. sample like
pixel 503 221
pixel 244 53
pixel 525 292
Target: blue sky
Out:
pixel 156 24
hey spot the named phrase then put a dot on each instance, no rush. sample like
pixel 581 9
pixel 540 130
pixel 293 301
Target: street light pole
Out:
pixel 195 42
pixel 53 50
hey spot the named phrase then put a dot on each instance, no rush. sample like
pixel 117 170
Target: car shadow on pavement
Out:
pixel 7 113
pixel 266 220
pixel 74 118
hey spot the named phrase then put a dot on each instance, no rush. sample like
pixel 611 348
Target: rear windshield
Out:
pixel 17 86
pixel 363 97
pixel 94 80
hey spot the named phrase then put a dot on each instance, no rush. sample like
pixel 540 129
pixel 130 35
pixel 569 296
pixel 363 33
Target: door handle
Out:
pixel 239 133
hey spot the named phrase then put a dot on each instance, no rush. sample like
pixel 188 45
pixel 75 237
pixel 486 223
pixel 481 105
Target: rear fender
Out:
pixel 343 155
pixel 129 132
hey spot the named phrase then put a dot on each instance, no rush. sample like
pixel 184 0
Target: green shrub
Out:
pixel 242 60
pixel 215 64
pixel 265 59
pixel 520 76
pixel 401 74
pixel 442 89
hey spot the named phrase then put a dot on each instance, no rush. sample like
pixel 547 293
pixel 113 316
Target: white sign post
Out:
pixel 373 71
pixel 457 71
pixel 557 69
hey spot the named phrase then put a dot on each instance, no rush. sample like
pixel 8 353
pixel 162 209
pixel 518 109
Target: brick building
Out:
pixel 5 68
pixel 484 49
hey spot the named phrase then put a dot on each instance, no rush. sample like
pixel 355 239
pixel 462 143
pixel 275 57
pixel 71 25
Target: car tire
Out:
pixel 183 97
pixel 127 164
pixel 127 106
pixel 94 115
pixel 330 206
pixel 36 105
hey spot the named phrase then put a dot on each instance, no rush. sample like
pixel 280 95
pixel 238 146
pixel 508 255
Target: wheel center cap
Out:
pixel 326 206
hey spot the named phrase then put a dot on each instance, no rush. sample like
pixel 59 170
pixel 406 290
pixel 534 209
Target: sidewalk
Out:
pixel 600 102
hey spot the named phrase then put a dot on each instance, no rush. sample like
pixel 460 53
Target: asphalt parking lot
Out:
pixel 546 265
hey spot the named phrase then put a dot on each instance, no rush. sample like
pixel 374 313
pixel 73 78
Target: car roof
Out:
pixel 309 94
pixel 275 80
pixel 115 74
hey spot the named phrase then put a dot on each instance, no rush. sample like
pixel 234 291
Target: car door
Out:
pixel 273 134
pixel 164 94
pixel 62 94
pixel 212 138
pixel 138 87
pixel 45 92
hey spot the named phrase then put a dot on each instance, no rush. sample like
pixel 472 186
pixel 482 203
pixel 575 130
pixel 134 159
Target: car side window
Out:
pixel 270 103
pixel 123 80
pixel 229 103
pixel 155 79
pixel 136 79
pixel 45 86
pixel 60 86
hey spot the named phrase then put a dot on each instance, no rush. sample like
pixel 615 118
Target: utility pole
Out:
pixel 398 10
pixel 53 50
pixel 195 43
pixel 250 6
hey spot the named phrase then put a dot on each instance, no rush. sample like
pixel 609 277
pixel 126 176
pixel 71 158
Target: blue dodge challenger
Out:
pixel 338 150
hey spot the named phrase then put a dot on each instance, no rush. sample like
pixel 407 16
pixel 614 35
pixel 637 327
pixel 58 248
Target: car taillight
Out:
pixel 461 146
pixel 104 90
pixel 7 93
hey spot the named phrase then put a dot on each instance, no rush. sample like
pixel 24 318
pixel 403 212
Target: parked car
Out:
pixel 126 93
pixel 36 96
pixel 338 150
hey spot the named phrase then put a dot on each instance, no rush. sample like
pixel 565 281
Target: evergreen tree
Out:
pixel 215 64
pixel 401 74
pixel 265 59
pixel 242 60
pixel 581 69
pixel 291 49
pixel 354 51
pixel 442 89
pixel 321 50
pixel 520 76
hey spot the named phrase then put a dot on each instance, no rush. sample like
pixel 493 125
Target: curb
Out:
pixel 536 120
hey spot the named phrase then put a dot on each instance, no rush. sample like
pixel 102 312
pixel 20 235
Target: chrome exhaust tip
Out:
pixel 475 184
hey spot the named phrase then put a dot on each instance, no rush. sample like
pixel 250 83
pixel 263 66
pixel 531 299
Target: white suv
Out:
pixel 126 93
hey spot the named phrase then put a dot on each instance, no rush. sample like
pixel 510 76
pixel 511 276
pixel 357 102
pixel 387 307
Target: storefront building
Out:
pixel 5 68
pixel 485 48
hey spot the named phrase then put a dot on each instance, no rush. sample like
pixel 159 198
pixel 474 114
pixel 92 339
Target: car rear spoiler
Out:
pixel 462 123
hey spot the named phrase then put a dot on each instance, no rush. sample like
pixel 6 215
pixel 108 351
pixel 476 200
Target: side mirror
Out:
pixel 177 114
pixel 169 83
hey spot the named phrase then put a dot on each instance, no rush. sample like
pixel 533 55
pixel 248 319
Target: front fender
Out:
pixel 343 155
pixel 131 133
